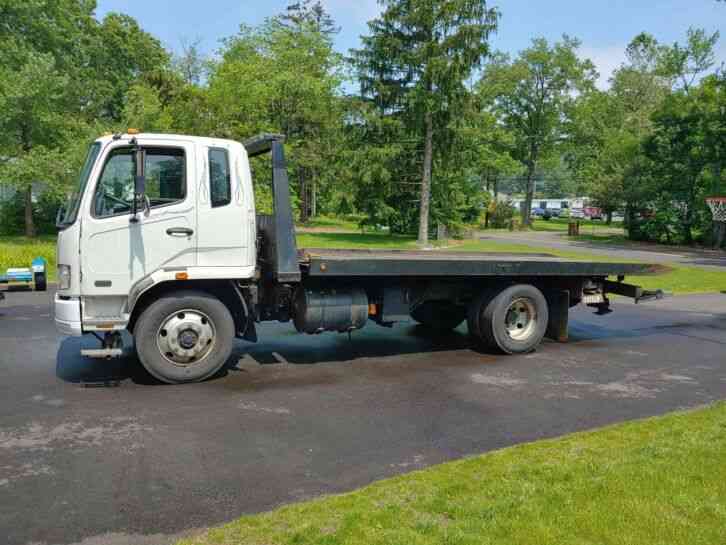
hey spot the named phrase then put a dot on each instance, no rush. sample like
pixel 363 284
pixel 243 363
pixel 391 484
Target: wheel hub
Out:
pixel 186 337
pixel 521 319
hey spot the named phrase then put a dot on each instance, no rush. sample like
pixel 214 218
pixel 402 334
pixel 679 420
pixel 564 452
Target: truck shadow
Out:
pixel 74 368
pixel 282 345
pixel 279 345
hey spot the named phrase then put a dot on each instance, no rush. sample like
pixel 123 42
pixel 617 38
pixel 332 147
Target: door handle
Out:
pixel 179 232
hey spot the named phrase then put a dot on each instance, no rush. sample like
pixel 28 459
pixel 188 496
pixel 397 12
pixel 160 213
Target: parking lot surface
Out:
pixel 295 417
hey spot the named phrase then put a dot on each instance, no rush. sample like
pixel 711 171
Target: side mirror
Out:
pixel 60 215
pixel 140 176
pixel 139 182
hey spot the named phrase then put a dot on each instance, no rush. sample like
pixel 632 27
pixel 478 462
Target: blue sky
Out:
pixel 604 27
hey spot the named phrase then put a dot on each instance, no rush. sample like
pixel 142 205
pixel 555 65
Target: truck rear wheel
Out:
pixel 513 320
pixel 439 315
pixel 184 337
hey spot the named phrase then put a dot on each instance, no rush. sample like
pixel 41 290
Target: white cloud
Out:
pixel 606 59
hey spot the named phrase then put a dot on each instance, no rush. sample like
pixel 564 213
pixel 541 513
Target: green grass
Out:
pixel 20 251
pixel 355 241
pixel 606 238
pixel 560 224
pixel 656 481
pixel 345 223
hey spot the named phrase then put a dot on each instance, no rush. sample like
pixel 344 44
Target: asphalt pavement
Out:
pixel 83 461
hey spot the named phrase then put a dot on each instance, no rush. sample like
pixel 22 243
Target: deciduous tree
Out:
pixel 533 96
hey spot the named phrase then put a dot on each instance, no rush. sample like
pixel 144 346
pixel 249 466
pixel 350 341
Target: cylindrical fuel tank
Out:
pixel 330 309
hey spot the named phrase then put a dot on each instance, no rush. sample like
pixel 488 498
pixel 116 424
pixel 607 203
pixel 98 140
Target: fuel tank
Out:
pixel 340 309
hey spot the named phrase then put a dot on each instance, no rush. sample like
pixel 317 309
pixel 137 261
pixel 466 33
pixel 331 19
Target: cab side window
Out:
pixel 165 180
pixel 220 180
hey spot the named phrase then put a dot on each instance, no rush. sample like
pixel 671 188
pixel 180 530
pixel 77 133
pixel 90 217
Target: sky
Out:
pixel 603 27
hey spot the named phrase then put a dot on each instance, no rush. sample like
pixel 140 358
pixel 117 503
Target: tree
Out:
pixel 487 147
pixel 533 96
pixel 712 100
pixel 291 85
pixel 120 53
pixel 308 13
pixel 59 74
pixel 414 65
pixel 191 64
pixel 144 110
pixel 31 100
pixel 685 63
pixel 679 157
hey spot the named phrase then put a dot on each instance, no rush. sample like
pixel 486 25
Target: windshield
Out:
pixel 74 201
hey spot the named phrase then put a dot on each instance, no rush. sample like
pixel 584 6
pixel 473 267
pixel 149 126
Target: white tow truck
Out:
pixel 161 238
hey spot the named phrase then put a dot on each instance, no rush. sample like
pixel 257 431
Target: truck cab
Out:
pixel 197 216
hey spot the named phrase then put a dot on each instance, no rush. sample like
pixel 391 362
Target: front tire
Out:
pixel 184 337
pixel 514 320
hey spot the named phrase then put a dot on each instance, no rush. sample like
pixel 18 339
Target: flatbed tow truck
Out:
pixel 162 239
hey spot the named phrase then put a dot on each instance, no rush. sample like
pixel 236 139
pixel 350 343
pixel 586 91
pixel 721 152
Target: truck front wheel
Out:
pixel 514 320
pixel 184 337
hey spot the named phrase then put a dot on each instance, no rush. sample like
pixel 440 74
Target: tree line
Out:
pixel 417 128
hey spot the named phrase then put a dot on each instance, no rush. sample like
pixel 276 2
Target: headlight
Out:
pixel 64 277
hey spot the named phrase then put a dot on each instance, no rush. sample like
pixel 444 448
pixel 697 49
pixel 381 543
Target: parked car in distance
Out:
pixel 577 213
pixel 538 212
pixel 593 212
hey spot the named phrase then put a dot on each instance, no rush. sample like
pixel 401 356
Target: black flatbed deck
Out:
pixel 318 262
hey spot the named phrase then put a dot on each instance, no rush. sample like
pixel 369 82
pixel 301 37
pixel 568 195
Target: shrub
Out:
pixel 501 214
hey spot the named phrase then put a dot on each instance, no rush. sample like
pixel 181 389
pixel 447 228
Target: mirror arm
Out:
pixel 139 179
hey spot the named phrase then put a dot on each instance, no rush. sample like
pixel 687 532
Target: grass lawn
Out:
pixel 607 238
pixel 355 241
pixel 346 223
pixel 20 251
pixel 586 226
pixel 656 481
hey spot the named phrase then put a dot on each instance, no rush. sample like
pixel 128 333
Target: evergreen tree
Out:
pixel 309 12
pixel 414 66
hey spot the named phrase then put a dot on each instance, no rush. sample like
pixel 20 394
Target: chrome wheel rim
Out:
pixel 521 319
pixel 186 337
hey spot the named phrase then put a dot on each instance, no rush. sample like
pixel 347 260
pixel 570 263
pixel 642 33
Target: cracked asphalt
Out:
pixel 295 417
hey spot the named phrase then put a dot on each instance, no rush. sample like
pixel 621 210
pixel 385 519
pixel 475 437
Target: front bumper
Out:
pixel 68 316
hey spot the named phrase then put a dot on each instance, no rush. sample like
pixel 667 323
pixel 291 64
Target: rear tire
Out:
pixel 184 337
pixel 514 320
pixel 439 315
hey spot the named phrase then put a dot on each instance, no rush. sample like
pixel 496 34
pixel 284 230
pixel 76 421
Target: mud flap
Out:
pixel 559 307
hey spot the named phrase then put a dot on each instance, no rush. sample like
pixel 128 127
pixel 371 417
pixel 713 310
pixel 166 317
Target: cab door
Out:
pixel 225 203
pixel 118 250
